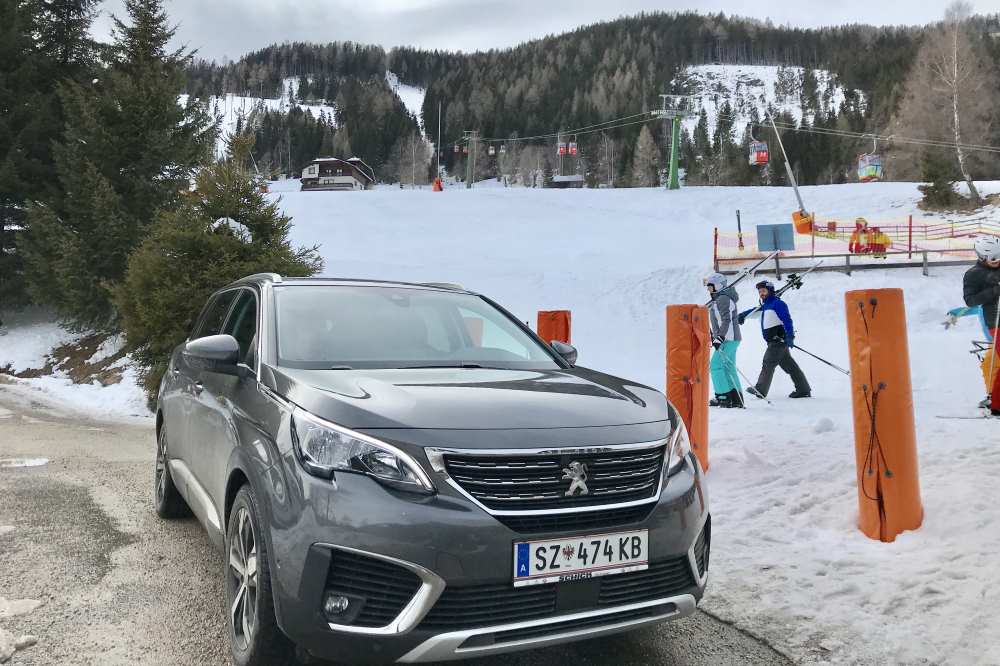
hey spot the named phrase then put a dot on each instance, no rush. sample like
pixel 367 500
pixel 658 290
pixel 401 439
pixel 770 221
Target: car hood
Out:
pixel 469 398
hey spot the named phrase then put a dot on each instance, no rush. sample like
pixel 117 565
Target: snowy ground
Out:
pixel 26 341
pixel 788 561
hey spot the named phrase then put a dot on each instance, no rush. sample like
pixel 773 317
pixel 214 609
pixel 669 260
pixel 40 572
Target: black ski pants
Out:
pixel 778 355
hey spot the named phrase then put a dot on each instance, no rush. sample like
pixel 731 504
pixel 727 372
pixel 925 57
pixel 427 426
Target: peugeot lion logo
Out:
pixel 576 474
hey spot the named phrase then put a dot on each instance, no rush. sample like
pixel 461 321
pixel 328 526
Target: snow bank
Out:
pixel 788 561
pixel 27 337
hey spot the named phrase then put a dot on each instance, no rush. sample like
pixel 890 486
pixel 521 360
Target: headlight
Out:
pixel 325 448
pixel 678 448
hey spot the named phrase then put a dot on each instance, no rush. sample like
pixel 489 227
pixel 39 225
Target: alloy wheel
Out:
pixel 161 467
pixel 243 579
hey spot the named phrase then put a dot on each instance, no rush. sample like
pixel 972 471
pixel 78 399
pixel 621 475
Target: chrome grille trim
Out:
pixel 436 457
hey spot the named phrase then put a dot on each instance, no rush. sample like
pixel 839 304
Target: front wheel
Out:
pixel 166 497
pixel 254 636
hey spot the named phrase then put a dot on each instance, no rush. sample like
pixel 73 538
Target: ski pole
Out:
pixel 822 360
pixel 746 379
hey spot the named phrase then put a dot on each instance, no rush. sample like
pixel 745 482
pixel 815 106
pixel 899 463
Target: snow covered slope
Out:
pixel 230 108
pixel 788 562
pixel 758 87
pixel 411 96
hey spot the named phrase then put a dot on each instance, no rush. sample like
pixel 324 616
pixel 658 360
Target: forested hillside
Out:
pixel 598 73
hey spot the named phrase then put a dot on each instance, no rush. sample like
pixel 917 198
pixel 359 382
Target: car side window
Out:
pixel 215 315
pixel 242 325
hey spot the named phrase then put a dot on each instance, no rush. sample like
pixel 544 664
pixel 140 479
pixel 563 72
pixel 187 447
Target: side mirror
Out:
pixel 215 353
pixel 568 352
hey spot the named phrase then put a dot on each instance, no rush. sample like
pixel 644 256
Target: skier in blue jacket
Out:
pixel 779 333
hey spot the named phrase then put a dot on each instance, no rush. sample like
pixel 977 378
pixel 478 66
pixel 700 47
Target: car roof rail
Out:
pixel 445 285
pixel 271 277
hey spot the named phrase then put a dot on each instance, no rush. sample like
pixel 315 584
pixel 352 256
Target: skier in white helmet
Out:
pixel 981 286
pixel 726 339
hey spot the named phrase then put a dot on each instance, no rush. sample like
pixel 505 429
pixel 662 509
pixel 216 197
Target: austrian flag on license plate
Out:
pixel 575 558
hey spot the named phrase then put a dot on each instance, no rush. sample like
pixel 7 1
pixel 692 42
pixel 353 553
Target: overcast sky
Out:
pixel 228 28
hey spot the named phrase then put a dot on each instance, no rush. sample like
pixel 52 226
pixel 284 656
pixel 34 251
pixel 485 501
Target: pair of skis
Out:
pixel 747 272
pixel 794 282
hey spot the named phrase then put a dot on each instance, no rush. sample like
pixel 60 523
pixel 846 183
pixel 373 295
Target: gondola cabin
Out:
pixel 331 173
pixel 869 167
pixel 759 155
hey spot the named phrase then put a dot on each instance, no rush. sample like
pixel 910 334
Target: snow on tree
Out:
pixel 645 160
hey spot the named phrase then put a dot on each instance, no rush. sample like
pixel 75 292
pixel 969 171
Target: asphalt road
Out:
pixel 116 585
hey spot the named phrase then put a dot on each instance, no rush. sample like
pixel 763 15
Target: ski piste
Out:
pixel 794 282
pixel 747 272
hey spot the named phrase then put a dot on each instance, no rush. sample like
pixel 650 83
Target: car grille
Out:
pixel 584 520
pixel 531 482
pixel 385 588
pixel 661 579
pixel 486 605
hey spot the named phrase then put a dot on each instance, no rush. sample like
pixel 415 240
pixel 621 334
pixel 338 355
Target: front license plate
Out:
pixel 576 558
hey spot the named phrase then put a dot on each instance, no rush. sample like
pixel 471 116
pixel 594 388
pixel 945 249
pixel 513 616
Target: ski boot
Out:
pixel 800 394
pixel 735 399
pixel 752 390
pixel 720 400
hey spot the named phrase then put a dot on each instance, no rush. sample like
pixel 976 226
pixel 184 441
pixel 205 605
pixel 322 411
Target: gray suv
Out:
pixel 406 473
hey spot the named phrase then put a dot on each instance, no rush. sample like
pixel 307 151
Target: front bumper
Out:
pixel 448 543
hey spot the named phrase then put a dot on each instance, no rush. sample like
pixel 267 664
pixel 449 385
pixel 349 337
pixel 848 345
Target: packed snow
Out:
pixel 788 561
pixel 758 87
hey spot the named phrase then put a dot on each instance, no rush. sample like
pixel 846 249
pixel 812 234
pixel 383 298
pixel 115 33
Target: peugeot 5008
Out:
pixel 406 473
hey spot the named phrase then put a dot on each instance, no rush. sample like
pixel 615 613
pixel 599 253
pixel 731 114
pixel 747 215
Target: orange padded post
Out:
pixel 554 325
pixel 884 435
pixel 688 346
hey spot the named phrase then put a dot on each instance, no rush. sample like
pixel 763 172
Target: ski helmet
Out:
pixel 766 284
pixel 988 248
pixel 717 280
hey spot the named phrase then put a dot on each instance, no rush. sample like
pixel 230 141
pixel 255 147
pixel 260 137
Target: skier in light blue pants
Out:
pixel 726 339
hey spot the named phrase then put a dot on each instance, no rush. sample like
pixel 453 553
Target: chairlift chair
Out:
pixel 870 164
pixel 492 151
pixel 759 154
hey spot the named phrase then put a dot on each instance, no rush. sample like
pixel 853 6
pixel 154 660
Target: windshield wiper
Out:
pixel 451 365
pixel 340 367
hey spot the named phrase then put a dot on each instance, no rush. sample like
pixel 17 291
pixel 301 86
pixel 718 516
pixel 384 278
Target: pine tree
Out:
pixel 223 230
pixel 128 150
pixel 645 160
pixel 64 32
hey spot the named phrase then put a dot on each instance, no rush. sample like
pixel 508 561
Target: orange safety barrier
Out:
pixel 554 325
pixel 884 434
pixel 688 346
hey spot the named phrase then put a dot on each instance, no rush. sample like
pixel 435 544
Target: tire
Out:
pixel 254 636
pixel 167 499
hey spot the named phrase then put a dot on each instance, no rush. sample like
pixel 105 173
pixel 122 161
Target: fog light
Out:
pixel 335 604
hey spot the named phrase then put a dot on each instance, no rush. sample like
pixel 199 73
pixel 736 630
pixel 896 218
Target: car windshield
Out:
pixel 346 327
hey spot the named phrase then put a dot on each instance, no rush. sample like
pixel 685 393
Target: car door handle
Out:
pixel 198 388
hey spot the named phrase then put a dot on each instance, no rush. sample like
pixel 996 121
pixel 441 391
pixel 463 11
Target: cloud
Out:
pixel 230 28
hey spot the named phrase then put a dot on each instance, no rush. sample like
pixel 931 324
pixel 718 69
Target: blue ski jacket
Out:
pixel 775 320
